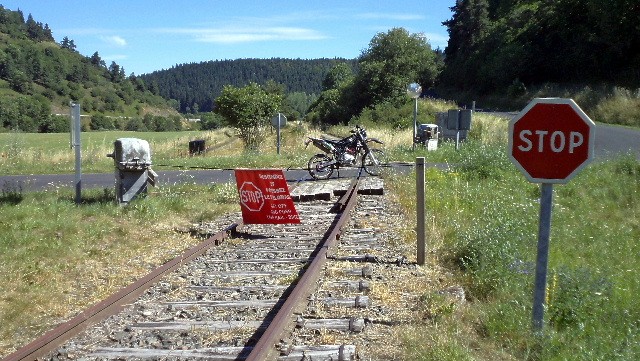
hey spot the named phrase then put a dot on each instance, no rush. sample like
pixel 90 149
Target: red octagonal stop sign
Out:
pixel 251 196
pixel 551 139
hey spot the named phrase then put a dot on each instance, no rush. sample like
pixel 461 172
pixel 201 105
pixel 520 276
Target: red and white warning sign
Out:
pixel 264 197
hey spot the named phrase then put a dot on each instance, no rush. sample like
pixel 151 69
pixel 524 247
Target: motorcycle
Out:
pixel 346 152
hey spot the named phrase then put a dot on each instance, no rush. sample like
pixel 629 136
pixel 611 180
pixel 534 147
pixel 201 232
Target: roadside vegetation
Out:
pixel 482 229
pixel 482 213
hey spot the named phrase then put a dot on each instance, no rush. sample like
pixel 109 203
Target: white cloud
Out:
pixel 389 16
pixel 232 35
pixel 115 57
pixel 114 40
pixel 437 40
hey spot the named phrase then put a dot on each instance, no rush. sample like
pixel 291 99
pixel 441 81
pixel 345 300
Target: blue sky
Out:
pixel 148 35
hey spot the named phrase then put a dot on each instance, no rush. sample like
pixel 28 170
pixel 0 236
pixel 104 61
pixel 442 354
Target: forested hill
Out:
pixel 497 43
pixel 39 77
pixel 196 85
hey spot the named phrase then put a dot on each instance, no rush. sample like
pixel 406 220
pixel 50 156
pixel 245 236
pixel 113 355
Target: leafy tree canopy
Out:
pixel 249 109
pixel 496 43
pixel 201 83
pixel 393 60
pixel 38 73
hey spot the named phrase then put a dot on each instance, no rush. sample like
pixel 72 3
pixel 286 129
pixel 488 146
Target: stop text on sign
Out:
pixel 251 196
pixel 557 141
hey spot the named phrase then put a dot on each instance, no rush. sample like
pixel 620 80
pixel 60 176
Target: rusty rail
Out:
pixel 283 319
pixel 264 348
pixel 53 339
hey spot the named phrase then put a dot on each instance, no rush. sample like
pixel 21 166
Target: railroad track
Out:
pixel 250 292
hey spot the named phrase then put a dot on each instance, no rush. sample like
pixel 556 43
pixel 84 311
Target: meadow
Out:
pixel 481 229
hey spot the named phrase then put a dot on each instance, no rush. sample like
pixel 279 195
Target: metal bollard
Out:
pixel 132 160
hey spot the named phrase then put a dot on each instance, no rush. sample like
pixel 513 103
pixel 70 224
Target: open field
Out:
pixel 481 224
pixel 32 153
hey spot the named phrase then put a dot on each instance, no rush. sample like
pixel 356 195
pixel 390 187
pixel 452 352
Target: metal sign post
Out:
pixel 279 121
pixel 414 90
pixel 550 140
pixel 75 144
pixel 544 234
pixel 459 119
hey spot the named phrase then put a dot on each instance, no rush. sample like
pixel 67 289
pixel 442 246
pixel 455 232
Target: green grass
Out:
pixel 31 153
pixel 482 231
pixel 485 232
pixel 54 265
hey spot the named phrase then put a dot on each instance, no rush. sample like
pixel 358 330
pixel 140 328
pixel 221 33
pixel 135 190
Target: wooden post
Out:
pixel 420 211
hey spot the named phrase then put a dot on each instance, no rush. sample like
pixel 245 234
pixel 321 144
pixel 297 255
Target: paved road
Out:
pixel 197 176
pixel 609 141
pixel 612 140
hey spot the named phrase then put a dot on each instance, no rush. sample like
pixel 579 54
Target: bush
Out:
pixel 101 122
pixel 55 124
pixel 622 107
pixel 136 125
pixel 163 124
pixel 211 121
pixel 575 296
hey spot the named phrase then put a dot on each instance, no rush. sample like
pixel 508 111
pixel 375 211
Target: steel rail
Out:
pixel 53 339
pixel 265 347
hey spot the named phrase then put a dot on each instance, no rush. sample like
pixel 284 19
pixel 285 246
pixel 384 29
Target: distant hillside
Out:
pixel 196 85
pixel 39 77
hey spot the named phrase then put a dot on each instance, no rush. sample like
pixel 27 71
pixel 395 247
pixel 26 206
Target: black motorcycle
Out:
pixel 347 152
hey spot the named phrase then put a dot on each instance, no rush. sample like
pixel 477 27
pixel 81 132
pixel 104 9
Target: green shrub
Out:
pixel 101 122
pixel 576 296
pixel 623 108
pixel 479 161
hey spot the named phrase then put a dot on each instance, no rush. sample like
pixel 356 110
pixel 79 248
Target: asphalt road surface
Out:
pixel 613 140
pixel 170 177
pixel 609 142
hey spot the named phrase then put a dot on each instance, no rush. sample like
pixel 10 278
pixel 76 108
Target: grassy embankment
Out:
pixel 482 226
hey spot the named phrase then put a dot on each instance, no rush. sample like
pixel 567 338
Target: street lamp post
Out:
pixel 414 90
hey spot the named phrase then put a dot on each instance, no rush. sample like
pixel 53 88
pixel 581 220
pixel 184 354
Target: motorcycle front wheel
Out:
pixel 320 166
pixel 374 161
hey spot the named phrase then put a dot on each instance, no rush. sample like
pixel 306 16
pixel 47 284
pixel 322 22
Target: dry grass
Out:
pixel 57 267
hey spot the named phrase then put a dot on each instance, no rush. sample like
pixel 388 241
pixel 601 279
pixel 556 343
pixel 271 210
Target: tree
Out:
pixel 116 72
pixel 37 31
pixel 20 82
pixel 248 109
pixel 97 60
pixel 68 44
pixel 211 121
pixel 101 122
pixel 135 124
pixel 467 27
pixel 337 76
pixel 393 60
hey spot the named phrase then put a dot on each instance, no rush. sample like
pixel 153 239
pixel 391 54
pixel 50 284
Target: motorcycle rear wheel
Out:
pixel 374 161
pixel 317 166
